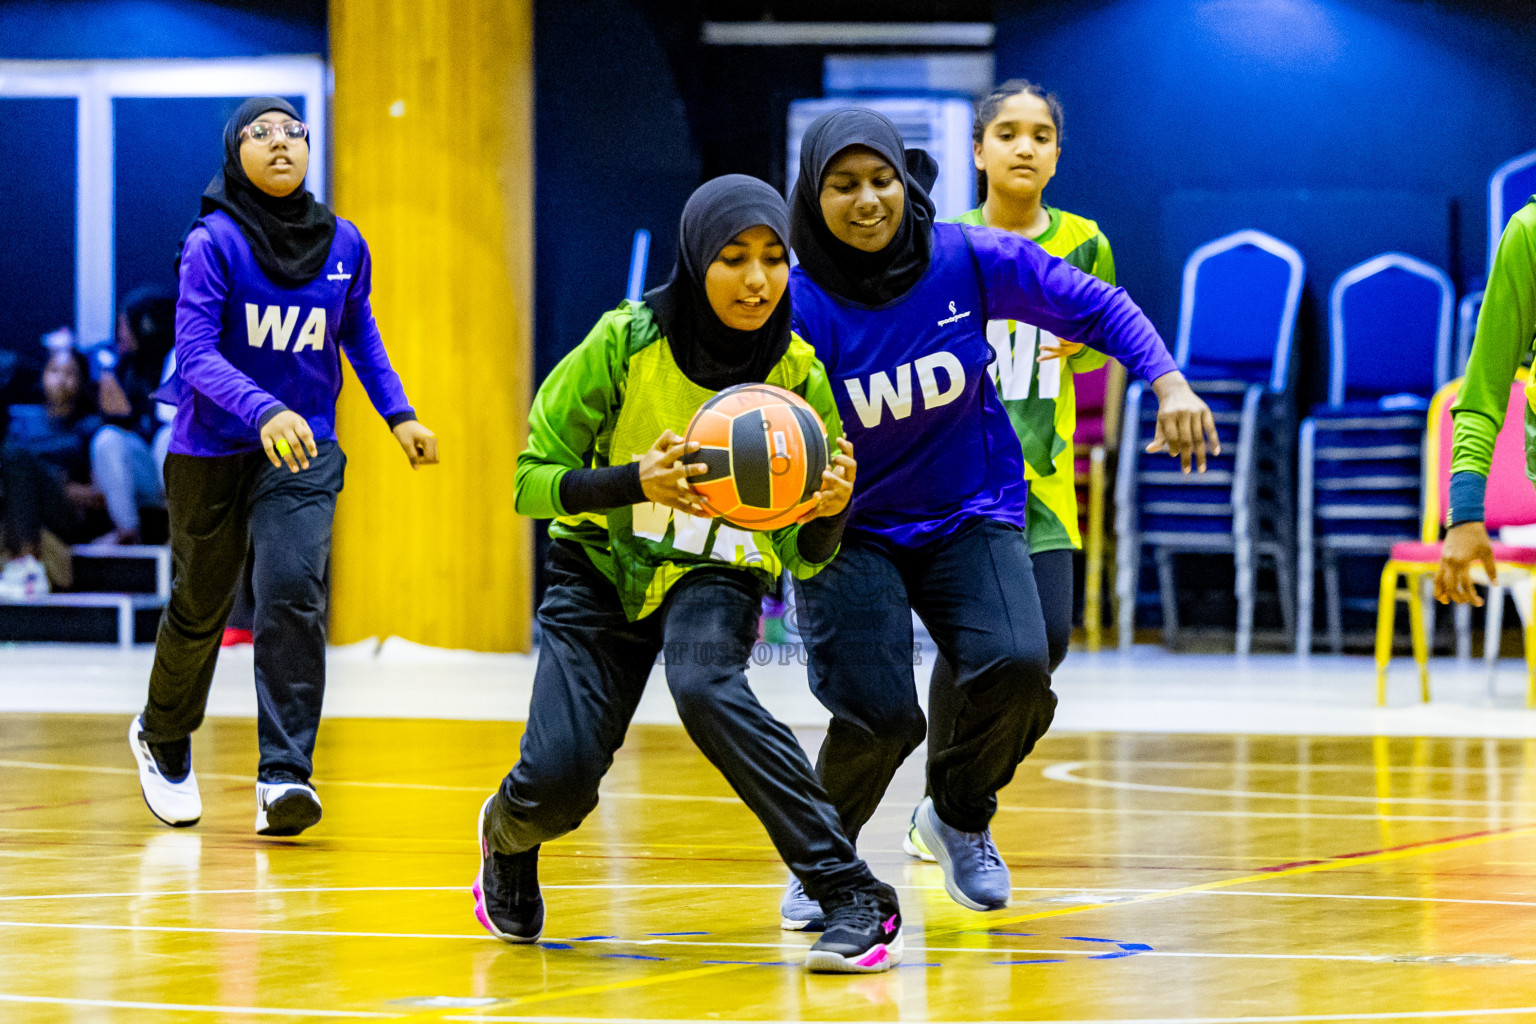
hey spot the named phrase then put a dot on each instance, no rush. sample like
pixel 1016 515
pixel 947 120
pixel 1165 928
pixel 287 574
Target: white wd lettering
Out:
pixel 871 407
pixel 932 396
pixel 279 323
pixel 881 394
pixel 271 320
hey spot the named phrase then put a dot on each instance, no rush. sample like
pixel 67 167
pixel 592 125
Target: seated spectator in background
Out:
pixel 45 473
pixel 128 454
pixel 59 431
pixel 31 498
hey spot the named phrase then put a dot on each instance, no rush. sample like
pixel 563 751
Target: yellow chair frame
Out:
pixel 1413 574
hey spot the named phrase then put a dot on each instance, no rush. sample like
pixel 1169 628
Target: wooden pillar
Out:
pixel 433 160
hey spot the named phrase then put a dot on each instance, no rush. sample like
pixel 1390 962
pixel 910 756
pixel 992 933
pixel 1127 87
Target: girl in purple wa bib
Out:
pixel 896 307
pixel 273 287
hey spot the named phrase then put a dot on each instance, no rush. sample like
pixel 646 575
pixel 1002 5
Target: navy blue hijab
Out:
pixel 708 352
pixel 290 236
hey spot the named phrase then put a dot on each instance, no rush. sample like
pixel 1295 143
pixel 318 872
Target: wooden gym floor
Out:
pixel 1158 878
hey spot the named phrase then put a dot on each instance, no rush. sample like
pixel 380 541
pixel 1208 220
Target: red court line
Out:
pixel 1401 846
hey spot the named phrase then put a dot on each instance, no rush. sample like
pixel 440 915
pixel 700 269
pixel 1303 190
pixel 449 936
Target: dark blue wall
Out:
pixel 1345 127
pixel 101 29
pixel 37 207
pixel 614 152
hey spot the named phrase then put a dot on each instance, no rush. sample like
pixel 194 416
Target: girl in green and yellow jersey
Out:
pixel 635 568
pixel 1506 329
pixel 1016 142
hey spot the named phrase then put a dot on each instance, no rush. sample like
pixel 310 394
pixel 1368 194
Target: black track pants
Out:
pixel 220 509
pixel 593 665
pixel 976 593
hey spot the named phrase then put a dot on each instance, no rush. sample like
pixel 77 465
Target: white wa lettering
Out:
pixel 261 321
pixel 313 334
pixel 1015 367
pixel 881 394
pixel 871 406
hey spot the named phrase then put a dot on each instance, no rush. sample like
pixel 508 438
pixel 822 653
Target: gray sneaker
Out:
pixel 974 873
pixel 798 912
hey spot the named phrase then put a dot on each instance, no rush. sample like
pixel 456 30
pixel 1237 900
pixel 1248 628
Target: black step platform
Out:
pixel 118 594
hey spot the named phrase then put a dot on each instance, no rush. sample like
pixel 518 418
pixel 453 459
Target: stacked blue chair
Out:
pixel 1509 187
pixel 1237 316
pixel 1466 329
pixel 1360 467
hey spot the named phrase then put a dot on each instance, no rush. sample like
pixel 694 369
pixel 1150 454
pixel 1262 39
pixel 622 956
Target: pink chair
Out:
pixel 1511 501
pixel 1100 394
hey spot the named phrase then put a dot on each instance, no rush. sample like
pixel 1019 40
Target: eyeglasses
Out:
pixel 266 131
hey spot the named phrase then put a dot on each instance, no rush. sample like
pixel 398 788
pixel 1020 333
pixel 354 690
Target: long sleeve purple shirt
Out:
pixel 247 348
pixel 934 444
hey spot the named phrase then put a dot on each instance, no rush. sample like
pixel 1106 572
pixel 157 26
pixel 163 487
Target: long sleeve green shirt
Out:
pixel 1506 329
pixel 605 404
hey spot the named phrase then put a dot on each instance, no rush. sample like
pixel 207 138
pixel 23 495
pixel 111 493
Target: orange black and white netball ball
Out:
pixel 765 448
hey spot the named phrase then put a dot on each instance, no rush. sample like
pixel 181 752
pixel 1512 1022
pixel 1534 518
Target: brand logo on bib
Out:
pixel 277 322
pixel 953 316
pixel 340 275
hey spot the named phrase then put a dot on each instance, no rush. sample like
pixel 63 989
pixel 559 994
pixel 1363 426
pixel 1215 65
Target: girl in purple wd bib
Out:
pixel 273 286
pixel 896 307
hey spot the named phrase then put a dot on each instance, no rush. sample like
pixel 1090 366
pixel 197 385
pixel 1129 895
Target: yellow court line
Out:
pixel 1300 869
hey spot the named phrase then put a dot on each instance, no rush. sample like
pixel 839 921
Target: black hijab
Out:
pixel 869 278
pixel 290 236
pixel 711 354
pixel 151 315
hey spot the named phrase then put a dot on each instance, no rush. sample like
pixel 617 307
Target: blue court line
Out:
pixel 630 956
pixel 1008 963
pixel 1085 938
pixel 753 963
pixel 663 935
pixel 593 938
pixel 554 945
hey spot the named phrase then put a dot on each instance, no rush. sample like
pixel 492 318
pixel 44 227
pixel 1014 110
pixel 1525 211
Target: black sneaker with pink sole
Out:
pixel 863 933
pixel 507 899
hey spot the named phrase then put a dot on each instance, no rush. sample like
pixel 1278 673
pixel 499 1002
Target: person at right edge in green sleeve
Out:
pixel 1506 329
pixel 635 567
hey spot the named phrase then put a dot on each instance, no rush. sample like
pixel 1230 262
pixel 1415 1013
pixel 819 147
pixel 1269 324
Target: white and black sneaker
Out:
pixel 506 889
pixel 166 778
pixel 863 933
pixel 285 805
